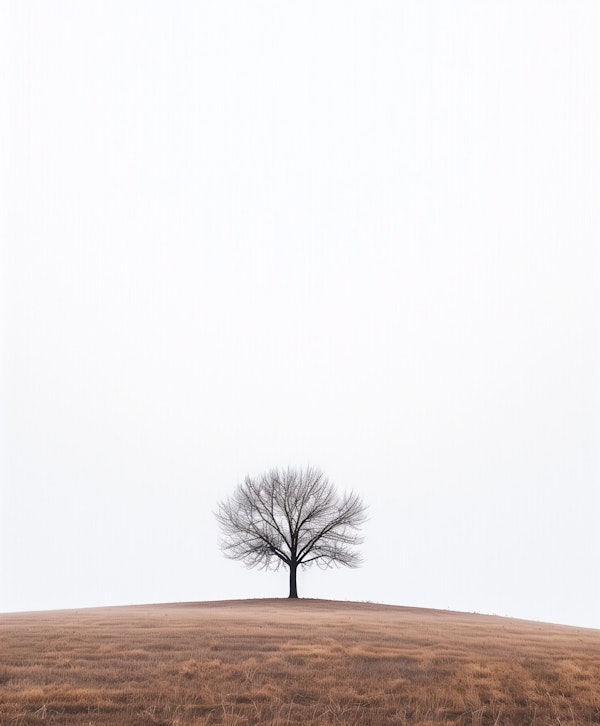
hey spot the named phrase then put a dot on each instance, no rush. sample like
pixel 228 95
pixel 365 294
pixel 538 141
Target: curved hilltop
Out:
pixel 293 662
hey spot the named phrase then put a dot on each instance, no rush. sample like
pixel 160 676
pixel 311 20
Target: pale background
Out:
pixel 361 235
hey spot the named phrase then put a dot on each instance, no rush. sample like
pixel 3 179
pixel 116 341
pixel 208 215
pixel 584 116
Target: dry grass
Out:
pixel 293 662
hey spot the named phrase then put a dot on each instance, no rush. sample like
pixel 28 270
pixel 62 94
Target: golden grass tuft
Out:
pixel 277 662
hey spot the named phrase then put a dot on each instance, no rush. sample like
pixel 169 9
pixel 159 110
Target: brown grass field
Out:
pixel 293 662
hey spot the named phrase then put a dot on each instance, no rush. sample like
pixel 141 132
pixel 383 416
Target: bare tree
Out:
pixel 294 518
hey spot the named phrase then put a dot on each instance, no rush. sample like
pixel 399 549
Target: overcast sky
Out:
pixel 358 235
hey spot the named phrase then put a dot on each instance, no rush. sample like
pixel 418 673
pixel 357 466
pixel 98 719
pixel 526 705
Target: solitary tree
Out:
pixel 293 518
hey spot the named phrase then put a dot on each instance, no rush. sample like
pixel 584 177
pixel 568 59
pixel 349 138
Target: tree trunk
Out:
pixel 293 588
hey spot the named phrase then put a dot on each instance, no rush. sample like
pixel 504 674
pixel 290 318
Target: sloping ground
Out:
pixel 293 662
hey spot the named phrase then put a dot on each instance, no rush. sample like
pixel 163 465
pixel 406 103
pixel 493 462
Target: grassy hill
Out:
pixel 293 662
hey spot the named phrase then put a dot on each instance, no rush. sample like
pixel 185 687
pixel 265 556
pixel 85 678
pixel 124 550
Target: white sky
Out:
pixel 365 236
